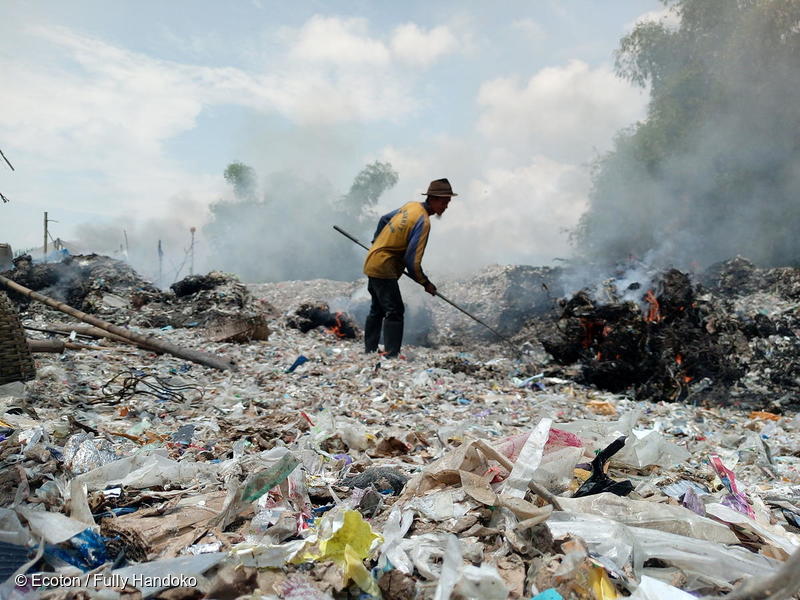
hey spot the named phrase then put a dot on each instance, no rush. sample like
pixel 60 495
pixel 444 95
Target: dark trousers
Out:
pixel 386 312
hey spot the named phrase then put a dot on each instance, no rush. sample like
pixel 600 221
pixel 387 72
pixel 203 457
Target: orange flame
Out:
pixel 654 312
pixel 337 329
pixel 687 378
pixel 679 359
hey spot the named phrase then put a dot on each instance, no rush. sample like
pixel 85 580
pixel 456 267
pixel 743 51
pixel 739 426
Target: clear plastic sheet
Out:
pixel 651 515
pixel 705 564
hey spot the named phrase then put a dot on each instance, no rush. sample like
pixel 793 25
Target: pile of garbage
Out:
pixel 316 471
pixel 734 340
pixel 111 289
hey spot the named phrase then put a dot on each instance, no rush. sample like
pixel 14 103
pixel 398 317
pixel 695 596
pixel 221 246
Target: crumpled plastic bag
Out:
pixel 651 515
pixel 704 563
pixel 467 581
pixel 600 482
pixel 344 537
pixel 644 447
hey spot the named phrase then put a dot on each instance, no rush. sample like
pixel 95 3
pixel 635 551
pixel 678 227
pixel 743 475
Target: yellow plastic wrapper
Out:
pixel 346 539
pixel 602 587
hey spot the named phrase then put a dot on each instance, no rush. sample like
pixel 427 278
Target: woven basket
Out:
pixel 16 362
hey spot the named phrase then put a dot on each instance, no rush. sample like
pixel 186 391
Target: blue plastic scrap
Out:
pixel 548 594
pixel 298 361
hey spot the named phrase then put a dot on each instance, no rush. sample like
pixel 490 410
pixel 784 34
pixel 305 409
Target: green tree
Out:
pixel 368 186
pixel 288 235
pixel 713 170
pixel 243 179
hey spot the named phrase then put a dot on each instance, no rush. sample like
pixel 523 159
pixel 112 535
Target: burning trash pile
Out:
pixel 309 316
pixel 686 342
pixel 316 471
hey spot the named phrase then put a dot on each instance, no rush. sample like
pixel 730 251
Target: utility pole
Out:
pixel 45 237
pixel 191 253
pixel 127 254
pixel 160 263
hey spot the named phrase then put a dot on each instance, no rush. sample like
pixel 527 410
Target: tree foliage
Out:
pixel 714 169
pixel 287 233
pixel 243 179
pixel 368 186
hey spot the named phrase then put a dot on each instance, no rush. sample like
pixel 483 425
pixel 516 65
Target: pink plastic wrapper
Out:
pixel 736 500
pixel 512 446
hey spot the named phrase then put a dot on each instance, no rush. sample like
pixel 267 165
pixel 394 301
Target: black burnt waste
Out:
pixel 309 316
pixel 684 341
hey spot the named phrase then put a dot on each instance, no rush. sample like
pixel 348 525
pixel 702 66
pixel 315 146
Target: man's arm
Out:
pixel 416 249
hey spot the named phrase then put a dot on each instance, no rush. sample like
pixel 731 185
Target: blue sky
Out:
pixel 125 114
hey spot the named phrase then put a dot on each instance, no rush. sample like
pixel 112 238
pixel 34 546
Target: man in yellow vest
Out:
pixel 398 245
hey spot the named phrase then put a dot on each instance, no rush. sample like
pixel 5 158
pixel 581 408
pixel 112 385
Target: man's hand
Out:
pixel 430 288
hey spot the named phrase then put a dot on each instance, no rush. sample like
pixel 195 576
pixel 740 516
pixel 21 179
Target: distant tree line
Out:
pixel 714 169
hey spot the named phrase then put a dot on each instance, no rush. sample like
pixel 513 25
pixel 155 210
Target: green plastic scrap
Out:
pixel 262 482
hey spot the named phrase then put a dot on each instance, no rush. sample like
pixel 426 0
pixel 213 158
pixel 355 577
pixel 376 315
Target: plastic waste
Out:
pixel 548 594
pixel 704 563
pixel 147 469
pixel 86 550
pixel 735 499
pixel 183 435
pixel 12 557
pixel 643 448
pixel 451 569
pixel 83 452
pixel 395 529
pixel 600 482
pixel 162 574
pixel 528 461
pixel 651 515
pixel 771 534
pixel 654 589
pixel 298 588
pixel 297 362
pixel 11 530
pixel 467 581
pixel 258 484
pixel 344 537
pixel 53 527
pixel 267 556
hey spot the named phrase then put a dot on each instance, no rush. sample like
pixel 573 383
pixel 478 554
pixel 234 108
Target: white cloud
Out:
pixel 667 16
pixel 530 29
pixel 339 41
pixel 562 112
pixel 415 46
pixel 513 215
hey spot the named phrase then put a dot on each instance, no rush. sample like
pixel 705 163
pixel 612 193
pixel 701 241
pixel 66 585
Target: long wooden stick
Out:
pixel 96 332
pixel 202 358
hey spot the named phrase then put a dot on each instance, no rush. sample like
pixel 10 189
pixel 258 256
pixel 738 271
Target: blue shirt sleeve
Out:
pixel 382 223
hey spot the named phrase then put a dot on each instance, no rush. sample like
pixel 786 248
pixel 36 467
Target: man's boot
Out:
pixel 392 337
pixel 372 333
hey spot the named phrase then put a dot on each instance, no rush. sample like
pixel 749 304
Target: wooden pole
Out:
pixel 160 263
pixel 45 237
pixel 191 253
pixel 202 358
